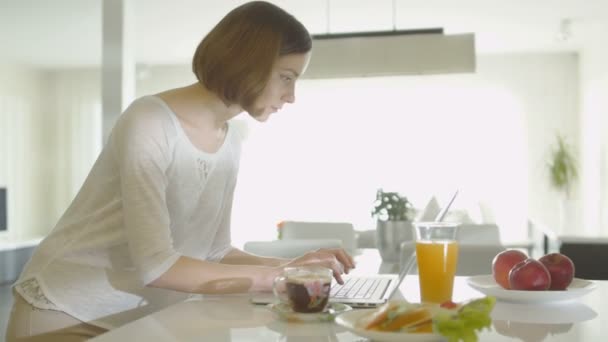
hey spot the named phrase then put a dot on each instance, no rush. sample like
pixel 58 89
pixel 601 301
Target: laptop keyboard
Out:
pixel 357 288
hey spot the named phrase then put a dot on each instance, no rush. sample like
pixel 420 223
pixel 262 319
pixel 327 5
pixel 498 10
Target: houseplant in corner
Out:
pixel 562 167
pixel 563 173
pixel 392 212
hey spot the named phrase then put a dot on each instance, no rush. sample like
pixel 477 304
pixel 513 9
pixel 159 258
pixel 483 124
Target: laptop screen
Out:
pixel 408 265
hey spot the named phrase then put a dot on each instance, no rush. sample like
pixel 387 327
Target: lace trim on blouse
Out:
pixel 31 291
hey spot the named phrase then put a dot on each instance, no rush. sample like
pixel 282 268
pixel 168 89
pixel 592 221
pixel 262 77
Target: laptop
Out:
pixel 358 291
pixel 368 291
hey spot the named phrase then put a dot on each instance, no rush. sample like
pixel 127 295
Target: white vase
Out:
pixel 390 235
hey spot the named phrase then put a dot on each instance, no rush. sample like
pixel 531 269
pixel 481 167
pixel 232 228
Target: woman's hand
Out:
pixel 334 258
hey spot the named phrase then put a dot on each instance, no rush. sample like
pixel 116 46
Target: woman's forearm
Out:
pixel 198 276
pixel 240 272
pixel 239 257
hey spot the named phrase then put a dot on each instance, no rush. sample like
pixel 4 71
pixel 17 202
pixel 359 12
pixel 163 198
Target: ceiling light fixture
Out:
pixel 393 32
pixel 390 52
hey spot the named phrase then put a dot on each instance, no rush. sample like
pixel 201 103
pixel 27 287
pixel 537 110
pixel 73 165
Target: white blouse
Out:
pixel 150 198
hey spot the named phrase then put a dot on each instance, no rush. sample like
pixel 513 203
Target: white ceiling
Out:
pixel 61 33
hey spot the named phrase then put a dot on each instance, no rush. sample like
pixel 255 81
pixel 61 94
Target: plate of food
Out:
pixel 404 321
pixel 488 286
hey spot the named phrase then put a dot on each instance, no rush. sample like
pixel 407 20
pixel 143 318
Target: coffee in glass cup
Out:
pixel 304 289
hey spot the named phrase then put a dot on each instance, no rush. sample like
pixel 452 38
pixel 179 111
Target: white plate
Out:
pixel 488 286
pixel 349 319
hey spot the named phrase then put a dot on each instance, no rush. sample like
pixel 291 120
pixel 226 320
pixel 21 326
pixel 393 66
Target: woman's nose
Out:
pixel 289 98
pixel 290 94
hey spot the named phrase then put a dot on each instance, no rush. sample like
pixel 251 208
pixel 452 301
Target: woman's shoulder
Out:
pixel 147 112
pixel 145 119
pixel 148 107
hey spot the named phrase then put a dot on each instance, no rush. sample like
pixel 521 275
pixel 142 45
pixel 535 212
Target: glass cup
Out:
pixel 304 289
pixel 437 257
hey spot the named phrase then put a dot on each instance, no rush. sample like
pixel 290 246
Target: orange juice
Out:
pixel 436 268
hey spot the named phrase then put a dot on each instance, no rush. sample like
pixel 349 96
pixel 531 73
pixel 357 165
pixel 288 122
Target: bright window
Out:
pixel 324 157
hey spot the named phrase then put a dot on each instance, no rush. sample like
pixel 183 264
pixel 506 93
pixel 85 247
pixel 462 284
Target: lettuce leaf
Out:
pixel 463 324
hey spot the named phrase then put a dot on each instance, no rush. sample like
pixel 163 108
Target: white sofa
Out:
pixel 299 237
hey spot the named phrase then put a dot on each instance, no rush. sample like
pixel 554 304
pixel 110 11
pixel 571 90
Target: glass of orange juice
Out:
pixel 437 256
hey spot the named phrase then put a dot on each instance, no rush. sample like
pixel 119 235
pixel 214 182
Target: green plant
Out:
pixel 390 206
pixel 562 166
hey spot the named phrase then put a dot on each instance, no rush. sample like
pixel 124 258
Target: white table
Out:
pixel 233 318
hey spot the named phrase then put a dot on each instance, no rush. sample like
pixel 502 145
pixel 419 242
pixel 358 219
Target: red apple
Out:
pixel 529 275
pixel 561 269
pixel 503 263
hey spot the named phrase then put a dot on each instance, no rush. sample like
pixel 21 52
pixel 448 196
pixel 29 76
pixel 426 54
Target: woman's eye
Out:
pixel 285 78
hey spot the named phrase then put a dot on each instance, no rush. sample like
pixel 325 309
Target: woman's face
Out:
pixel 281 85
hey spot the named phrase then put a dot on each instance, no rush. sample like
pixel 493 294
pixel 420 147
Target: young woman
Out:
pixel 151 224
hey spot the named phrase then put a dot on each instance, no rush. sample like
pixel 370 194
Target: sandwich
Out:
pixel 399 316
pixel 454 321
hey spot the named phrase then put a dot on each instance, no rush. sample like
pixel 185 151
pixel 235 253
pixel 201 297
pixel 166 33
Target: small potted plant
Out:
pixel 390 206
pixel 394 225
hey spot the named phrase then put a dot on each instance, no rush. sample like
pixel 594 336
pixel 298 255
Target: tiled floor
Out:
pixel 6 301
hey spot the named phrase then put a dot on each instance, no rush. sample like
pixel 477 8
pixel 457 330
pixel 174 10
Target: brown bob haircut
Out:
pixel 236 57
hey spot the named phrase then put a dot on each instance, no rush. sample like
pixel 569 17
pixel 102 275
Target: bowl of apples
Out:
pixel 516 277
